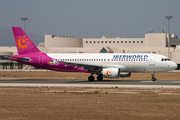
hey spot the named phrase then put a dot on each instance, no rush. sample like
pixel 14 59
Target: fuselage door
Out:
pixel 152 60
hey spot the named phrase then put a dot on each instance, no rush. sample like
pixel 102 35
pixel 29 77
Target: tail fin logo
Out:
pixel 22 42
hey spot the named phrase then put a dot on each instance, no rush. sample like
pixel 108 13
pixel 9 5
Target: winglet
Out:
pixel 23 42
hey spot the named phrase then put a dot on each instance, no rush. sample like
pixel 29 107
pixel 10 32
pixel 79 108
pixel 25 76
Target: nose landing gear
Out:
pixel 153 78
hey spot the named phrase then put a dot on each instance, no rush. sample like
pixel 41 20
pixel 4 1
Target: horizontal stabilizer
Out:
pixel 25 59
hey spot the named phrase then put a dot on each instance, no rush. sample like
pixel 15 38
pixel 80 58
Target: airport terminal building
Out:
pixel 159 43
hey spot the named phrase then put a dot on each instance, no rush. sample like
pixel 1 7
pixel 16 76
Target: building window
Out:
pixel 109 41
pixel 94 41
pixel 137 41
pixel 105 41
pixel 121 41
pixel 141 41
pixel 89 41
pixel 101 41
pixel 4 58
pixel 97 41
pixel 113 41
pixel 129 41
pixel 86 41
pixel 117 41
pixel 133 41
pixel 125 41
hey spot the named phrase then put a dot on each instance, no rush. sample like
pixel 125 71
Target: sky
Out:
pixel 91 18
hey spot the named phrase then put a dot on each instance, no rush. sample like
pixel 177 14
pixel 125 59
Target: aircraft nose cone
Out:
pixel 174 66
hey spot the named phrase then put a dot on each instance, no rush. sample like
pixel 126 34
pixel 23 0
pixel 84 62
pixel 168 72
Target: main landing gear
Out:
pixel 153 78
pixel 99 78
pixel 91 78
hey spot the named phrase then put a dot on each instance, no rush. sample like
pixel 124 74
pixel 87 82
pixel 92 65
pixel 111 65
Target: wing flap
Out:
pixel 79 65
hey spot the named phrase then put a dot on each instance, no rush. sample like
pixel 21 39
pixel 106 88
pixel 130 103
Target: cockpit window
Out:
pixel 165 59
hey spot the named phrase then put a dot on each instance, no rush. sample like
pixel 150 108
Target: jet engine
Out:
pixel 125 74
pixel 111 72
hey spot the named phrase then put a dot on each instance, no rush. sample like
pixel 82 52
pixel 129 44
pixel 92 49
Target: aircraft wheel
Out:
pixel 99 78
pixel 91 78
pixel 153 79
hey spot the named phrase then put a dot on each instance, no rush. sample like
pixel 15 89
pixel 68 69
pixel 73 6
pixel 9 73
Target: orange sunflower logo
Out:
pixel 22 42
pixel 109 73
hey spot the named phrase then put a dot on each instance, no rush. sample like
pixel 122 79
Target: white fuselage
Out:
pixel 127 62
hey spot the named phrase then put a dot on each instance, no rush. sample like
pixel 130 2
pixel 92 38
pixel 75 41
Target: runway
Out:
pixel 85 83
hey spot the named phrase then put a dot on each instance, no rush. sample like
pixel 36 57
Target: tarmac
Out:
pixel 86 83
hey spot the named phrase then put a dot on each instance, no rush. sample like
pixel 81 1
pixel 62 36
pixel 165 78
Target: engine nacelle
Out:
pixel 111 72
pixel 125 74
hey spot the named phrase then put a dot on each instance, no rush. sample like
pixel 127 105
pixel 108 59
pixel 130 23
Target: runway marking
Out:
pixel 147 81
pixel 176 82
pixel 159 81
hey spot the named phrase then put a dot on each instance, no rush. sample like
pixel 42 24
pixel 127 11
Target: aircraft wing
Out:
pixel 92 66
pixel 85 65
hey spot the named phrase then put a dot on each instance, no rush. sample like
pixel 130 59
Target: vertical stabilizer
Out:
pixel 23 42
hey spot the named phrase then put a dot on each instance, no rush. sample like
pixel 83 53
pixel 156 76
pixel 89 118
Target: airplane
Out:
pixel 109 65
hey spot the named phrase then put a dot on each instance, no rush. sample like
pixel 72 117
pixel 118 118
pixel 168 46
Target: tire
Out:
pixel 91 78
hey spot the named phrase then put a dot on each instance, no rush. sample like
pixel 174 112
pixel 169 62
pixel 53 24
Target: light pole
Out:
pixel 24 19
pixel 168 18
